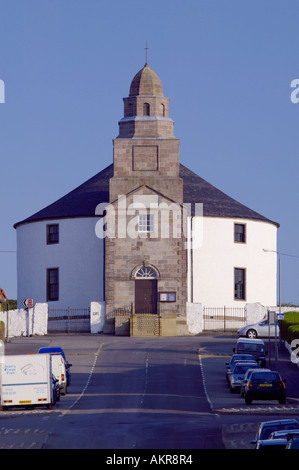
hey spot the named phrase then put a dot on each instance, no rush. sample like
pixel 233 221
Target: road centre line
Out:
pixel 146 380
pixel 64 412
pixel 204 382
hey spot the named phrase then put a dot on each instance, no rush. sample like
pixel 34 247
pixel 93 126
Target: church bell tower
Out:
pixel 146 270
pixel 146 150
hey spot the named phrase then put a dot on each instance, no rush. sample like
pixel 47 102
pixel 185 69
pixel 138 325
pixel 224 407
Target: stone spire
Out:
pixel 146 108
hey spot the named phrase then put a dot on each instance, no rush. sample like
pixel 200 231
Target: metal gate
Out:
pixel 224 318
pixel 144 324
pixel 69 320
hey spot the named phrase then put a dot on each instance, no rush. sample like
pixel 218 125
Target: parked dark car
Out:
pixel 293 444
pixel 255 347
pixel 287 434
pixel 271 444
pixel 279 439
pixel 245 380
pixel 56 390
pixel 265 385
pixel 267 427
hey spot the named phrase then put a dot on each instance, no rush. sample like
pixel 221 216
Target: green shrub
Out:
pixel 290 326
pixel 12 305
pixel 292 333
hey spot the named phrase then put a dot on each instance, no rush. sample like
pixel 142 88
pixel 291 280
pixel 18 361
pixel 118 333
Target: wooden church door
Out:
pixel 146 296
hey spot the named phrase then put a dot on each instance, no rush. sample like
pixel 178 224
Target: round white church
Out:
pixel 80 250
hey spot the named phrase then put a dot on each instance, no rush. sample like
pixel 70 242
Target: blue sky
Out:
pixel 226 66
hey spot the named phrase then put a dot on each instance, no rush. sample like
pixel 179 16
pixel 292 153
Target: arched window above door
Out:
pixel 146 272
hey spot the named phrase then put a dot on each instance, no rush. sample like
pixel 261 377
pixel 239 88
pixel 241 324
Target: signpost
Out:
pixel 28 303
pixel 273 318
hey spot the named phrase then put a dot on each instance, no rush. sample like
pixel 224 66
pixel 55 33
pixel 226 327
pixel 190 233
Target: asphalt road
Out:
pixel 144 393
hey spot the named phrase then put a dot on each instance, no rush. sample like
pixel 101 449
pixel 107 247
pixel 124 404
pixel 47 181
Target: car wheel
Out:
pixel 251 333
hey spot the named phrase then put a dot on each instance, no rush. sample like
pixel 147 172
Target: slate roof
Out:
pixel 82 201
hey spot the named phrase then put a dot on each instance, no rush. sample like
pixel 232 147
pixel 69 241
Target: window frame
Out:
pixel 243 234
pixel 52 287
pixel 52 237
pixel 148 226
pixel 244 287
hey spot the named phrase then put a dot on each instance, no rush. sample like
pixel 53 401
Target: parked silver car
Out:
pixel 238 372
pixel 259 329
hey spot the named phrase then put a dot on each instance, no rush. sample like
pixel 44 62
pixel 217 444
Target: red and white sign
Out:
pixel 28 302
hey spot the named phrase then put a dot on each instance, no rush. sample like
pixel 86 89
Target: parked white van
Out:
pixel 58 370
pixel 27 380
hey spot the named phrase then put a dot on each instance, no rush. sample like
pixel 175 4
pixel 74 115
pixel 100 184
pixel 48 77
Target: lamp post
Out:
pixel 279 285
pixel 279 293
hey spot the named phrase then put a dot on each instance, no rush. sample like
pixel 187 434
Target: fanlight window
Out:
pixel 146 272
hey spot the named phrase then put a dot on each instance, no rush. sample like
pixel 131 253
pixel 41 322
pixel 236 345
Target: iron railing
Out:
pixel 69 320
pixel 224 317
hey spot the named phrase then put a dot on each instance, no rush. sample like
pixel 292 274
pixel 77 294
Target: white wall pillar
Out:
pixel 255 313
pixel 194 312
pixel 97 316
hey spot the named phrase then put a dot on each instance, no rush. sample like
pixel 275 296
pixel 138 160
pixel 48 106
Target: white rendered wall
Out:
pixel 26 322
pixel 216 255
pixel 78 255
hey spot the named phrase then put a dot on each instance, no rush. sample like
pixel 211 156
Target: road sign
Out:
pixel 271 317
pixel 28 303
pixel 280 316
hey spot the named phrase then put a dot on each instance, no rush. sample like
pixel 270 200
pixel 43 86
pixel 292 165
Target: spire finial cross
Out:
pixel 146 49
